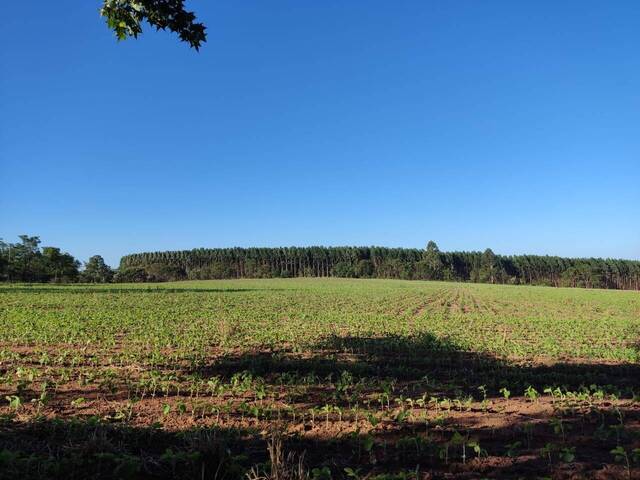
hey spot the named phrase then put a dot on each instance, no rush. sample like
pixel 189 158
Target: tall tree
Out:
pixel 4 260
pixel 96 271
pixel 431 266
pixel 24 259
pixel 489 267
pixel 59 266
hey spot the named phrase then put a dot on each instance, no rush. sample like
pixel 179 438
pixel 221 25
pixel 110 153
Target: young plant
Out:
pixel 532 394
pixel 621 456
pixel 15 402
pixel 505 393
pixel 513 449
pixel 568 454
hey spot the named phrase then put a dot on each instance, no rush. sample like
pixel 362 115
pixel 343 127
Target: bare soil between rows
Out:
pixel 518 437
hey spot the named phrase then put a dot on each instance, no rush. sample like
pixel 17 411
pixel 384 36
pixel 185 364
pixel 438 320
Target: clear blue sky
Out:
pixel 510 125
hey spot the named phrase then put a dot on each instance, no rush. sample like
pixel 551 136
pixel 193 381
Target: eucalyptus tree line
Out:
pixel 26 261
pixel 381 262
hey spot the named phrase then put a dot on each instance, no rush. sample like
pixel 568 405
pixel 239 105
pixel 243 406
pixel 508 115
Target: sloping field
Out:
pixel 358 378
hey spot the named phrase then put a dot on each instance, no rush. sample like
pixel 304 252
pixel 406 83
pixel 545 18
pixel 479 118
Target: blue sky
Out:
pixel 505 124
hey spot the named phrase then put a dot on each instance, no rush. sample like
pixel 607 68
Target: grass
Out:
pixel 353 378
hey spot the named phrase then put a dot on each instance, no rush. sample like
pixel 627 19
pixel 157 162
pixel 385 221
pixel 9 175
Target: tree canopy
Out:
pixel 125 18
pixel 26 261
pixel 96 271
pixel 381 262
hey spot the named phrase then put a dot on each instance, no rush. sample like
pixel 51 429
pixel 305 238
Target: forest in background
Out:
pixel 380 262
pixel 26 261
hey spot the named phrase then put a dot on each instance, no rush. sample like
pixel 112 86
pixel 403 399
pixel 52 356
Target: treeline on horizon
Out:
pixel 26 261
pixel 380 262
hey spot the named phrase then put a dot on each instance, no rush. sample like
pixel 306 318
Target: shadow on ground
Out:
pixel 428 362
pixel 80 449
pixel 571 444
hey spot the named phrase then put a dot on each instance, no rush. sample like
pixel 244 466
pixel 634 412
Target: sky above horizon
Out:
pixel 499 124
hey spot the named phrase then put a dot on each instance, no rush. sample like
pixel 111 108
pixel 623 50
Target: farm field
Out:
pixel 319 378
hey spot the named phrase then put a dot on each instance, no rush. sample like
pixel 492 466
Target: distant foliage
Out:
pixel 380 262
pixel 96 271
pixel 26 261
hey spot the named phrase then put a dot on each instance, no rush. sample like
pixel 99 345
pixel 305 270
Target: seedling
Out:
pixel 568 454
pixel 513 449
pixel 14 402
pixel 323 473
pixel 532 394
pixel 351 473
pixel 505 393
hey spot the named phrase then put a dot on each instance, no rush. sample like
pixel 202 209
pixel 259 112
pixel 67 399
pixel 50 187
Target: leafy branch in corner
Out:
pixel 125 17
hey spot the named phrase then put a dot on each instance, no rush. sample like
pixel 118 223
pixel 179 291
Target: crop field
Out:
pixel 320 379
